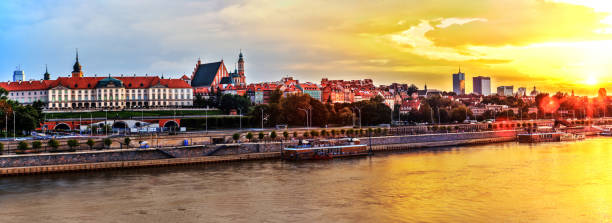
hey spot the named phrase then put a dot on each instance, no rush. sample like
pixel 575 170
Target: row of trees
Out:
pixel 24 118
pixel 302 110
pixel 436 109
pixel 313 134
pixel 54 145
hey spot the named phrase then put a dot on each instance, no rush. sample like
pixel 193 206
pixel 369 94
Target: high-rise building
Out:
pixel 459 83
pixel 505 90
pixel 18 75
pixel 482 85
pixel 522 91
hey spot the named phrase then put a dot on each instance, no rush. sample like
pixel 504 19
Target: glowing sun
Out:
pixel 591 80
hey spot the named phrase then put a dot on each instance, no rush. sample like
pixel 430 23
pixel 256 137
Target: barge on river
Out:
pixel 549 137
pixel 325 150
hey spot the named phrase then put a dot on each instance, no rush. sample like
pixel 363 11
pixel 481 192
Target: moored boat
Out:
pixel 572 137
pixel 327 150
pixel 540 137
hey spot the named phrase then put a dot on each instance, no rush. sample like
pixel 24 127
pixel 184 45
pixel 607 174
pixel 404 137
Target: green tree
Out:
pixel 314 133
pixel 285 134
pixel 230 101
pixel 53 143
pixel 412 89
pixel 90 143
pixel 273 135
pixel 107 142
pixel 249 136
pixel 236 136
pixel 73 143
pixel 323 132
pixel 295 134
pixel 459 114
pixel 127 141
pixel 22 145
pixel 36 145
pixel 306 135
pixel 1 148
pixel 275 96
pixel 261 135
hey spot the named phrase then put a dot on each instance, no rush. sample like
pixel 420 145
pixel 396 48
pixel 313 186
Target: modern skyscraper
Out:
pixel 505 90
pixel 459 83
pixel 522 91
pixel 482 85
pixel 18 75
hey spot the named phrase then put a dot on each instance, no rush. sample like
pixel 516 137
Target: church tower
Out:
pixel 47 76
pixel 76 69
pixel 240 64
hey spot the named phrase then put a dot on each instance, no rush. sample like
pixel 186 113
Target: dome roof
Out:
pixel 109 82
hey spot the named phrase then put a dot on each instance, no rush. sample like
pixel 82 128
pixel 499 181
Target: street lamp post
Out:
pixel 431 115
pixel 306 111
pixel 262 119
pixel 240 117
pixel 310 119
pixel 438 108
pixel 359 109
pixel 399 115
pixel 14 128
pixel 391 117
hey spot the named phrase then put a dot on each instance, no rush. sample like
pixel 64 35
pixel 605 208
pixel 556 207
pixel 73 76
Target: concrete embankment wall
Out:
pixel 147 157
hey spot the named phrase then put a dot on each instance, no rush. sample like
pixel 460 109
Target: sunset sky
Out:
pixel 552 44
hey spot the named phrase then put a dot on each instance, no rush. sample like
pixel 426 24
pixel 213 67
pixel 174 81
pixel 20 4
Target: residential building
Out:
pixel 311 89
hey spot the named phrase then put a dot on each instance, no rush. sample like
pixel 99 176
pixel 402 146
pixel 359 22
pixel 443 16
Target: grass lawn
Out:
pixel 128 114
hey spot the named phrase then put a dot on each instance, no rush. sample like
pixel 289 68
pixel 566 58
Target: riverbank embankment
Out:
pixel 202 154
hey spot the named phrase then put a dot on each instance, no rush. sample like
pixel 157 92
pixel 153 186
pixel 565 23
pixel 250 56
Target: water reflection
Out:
pixel 556 182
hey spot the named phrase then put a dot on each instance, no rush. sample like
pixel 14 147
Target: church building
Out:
pixel 215 74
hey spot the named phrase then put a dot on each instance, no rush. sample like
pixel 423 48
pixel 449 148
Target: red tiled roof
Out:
pixel 90 82
pixel 76 82
pixel 174 83
pixel 26 85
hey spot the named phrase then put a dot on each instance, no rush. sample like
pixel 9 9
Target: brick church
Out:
pixel 215 74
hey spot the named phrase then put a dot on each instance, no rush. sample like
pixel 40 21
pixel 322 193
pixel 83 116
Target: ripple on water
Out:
pixel 561 182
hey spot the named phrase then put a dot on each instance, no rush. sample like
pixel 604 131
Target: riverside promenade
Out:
pixel 189 155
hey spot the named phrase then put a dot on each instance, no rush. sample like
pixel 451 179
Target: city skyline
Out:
pixel 385 44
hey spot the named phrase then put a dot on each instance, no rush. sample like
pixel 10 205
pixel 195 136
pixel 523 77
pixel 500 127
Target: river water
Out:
pixel 508 182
